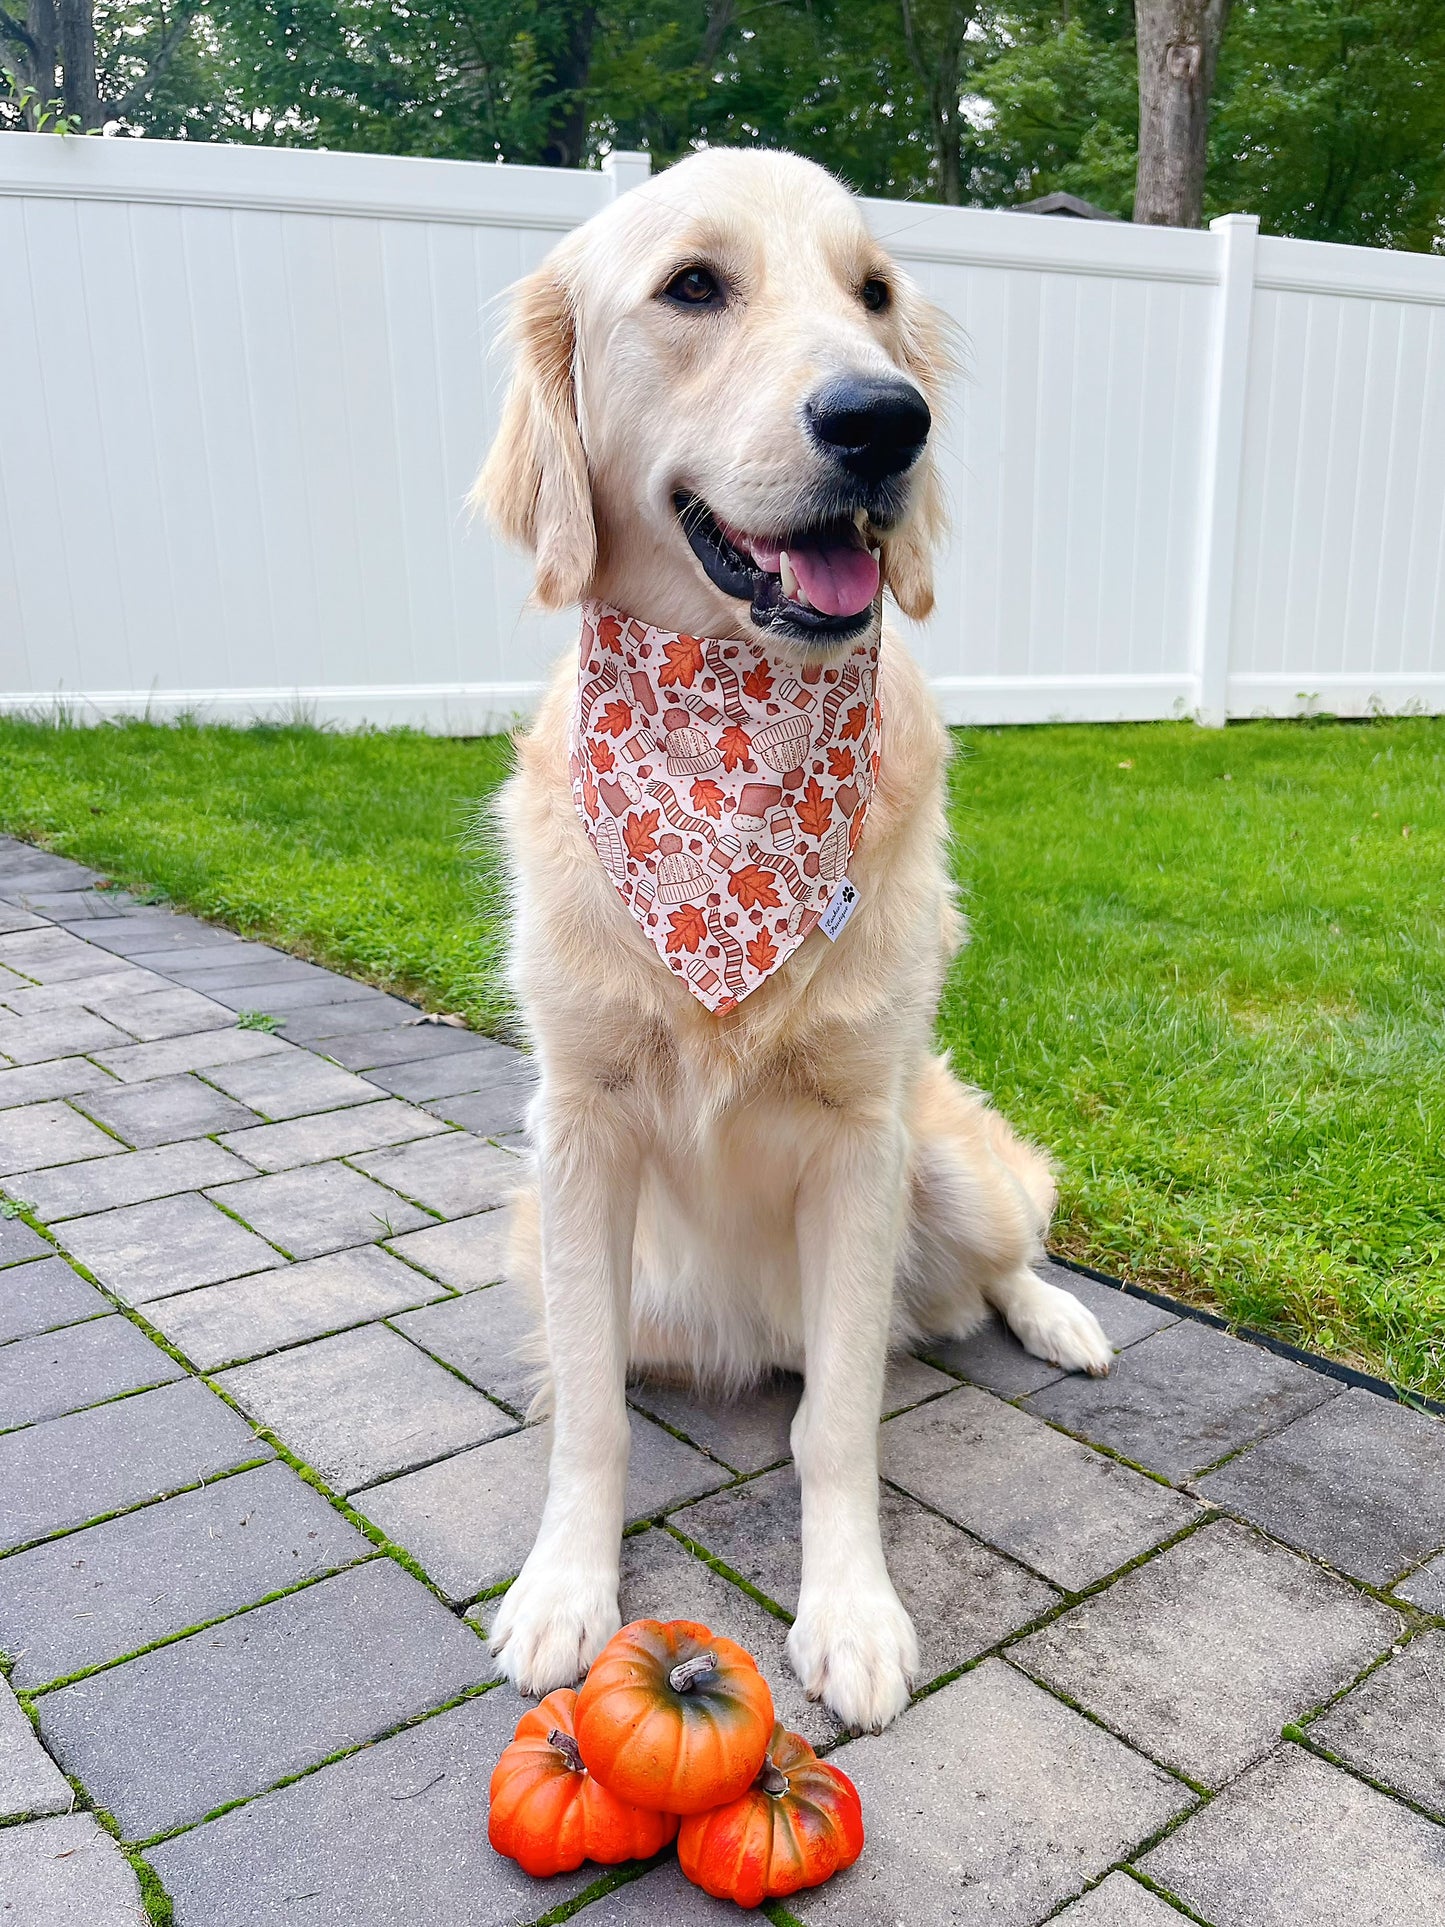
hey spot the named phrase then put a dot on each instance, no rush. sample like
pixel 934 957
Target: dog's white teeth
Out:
pixel 860 516
pixel 788 579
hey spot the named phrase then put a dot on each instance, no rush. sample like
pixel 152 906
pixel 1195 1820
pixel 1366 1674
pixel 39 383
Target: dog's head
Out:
pixel 720 410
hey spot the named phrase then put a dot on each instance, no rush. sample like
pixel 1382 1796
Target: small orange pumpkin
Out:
pixel 798 1824
pixel 547 1811
pixel 671 1716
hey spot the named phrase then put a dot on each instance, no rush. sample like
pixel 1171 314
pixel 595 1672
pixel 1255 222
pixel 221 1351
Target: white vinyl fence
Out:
pixel 243 394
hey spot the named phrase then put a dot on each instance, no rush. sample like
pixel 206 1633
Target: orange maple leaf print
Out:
pixel 602 758
pixel 589 795
pixel 707 797
pixel 840 763
pixel 616 719
pixel 683 662
pixel 688 928
pixel 762 951
pixel 814 809
pixel 853 727
pixel 735 745
pixel 758 683
pixel 639 833
pixel 754 888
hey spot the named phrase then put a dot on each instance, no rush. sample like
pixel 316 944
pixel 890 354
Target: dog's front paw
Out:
pixel 855 1649
pixel 552 1623
pixel 1055 1326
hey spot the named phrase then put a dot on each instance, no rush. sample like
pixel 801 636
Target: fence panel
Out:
pixel 246 391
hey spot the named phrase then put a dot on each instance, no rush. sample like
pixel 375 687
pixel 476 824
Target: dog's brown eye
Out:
pixel 694 288
pixel 874 295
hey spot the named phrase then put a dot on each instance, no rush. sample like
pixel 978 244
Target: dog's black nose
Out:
pixel 873 426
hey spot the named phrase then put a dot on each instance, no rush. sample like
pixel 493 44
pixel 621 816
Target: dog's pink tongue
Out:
pixel 839 578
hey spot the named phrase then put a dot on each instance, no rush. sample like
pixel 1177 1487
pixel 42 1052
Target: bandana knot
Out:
pixel 724 791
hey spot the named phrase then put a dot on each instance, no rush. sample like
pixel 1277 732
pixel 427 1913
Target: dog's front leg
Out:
pixel 852 1643
pixel 562 1608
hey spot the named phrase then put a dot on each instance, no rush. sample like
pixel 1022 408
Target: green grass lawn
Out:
pixel 1207 969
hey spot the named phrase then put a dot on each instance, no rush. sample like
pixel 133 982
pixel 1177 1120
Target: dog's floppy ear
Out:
pixel 534 483
pixel 927 354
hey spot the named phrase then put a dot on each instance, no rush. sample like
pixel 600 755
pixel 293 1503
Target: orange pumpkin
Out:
pixel 549 1814
pixel 797 1825
pixel 671 1716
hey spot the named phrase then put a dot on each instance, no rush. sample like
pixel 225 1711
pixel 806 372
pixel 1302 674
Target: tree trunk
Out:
pixel 77 55
pixel 1178 53
pixel 568 133
pixel 940 68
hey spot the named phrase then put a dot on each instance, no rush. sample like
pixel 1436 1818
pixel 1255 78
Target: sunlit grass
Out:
pixel 1207 971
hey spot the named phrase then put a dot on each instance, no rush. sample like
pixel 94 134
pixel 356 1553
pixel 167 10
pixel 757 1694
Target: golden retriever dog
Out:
pixel 719 424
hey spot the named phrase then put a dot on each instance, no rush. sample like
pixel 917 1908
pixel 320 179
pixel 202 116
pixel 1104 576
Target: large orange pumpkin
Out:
pixel 797 1825
pixel 547 1811
pixel 671 1716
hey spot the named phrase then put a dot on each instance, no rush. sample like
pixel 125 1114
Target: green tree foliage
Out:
pixel 1328 118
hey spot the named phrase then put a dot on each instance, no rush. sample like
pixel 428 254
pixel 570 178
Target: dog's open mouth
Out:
pixel 816 584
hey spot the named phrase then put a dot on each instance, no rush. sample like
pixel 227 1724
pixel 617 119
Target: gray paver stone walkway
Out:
pixel 363 1405
pixel 146 1251
pixel 71 1470
pixel 165 1111
pixel 1296 1840
pixel 1119 1901
pixel 1393 1726
pixel 61 1371
pixel 992 1802
pixel 38 1297
pixel 390 1835
pixel 244 1317
pixel 67 1873
pixel 93 1596
pixel 1201 1655
pixel 30 1781
pixel 317 1218
pixel 1056 1505
pixel 319 1208
pixel 470 1519
pixel 285 1685
pixel 1359 1482
pixel 1181 1399
pixel 465 1254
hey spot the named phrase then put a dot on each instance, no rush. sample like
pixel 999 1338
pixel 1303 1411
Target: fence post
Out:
pixel 1223 459
pixel 625 171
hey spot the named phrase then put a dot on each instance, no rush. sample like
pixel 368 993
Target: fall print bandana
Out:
pixel 723 791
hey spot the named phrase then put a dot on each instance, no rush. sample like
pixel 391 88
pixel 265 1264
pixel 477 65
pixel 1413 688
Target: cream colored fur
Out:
pixel 801 1182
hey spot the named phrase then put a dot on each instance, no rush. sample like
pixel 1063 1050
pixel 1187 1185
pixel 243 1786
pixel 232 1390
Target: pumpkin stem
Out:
pixel 771 1779
pixel 681 1678
pixel 568 1748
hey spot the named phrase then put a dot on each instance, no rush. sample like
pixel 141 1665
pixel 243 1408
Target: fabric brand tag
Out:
pixel 841 905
